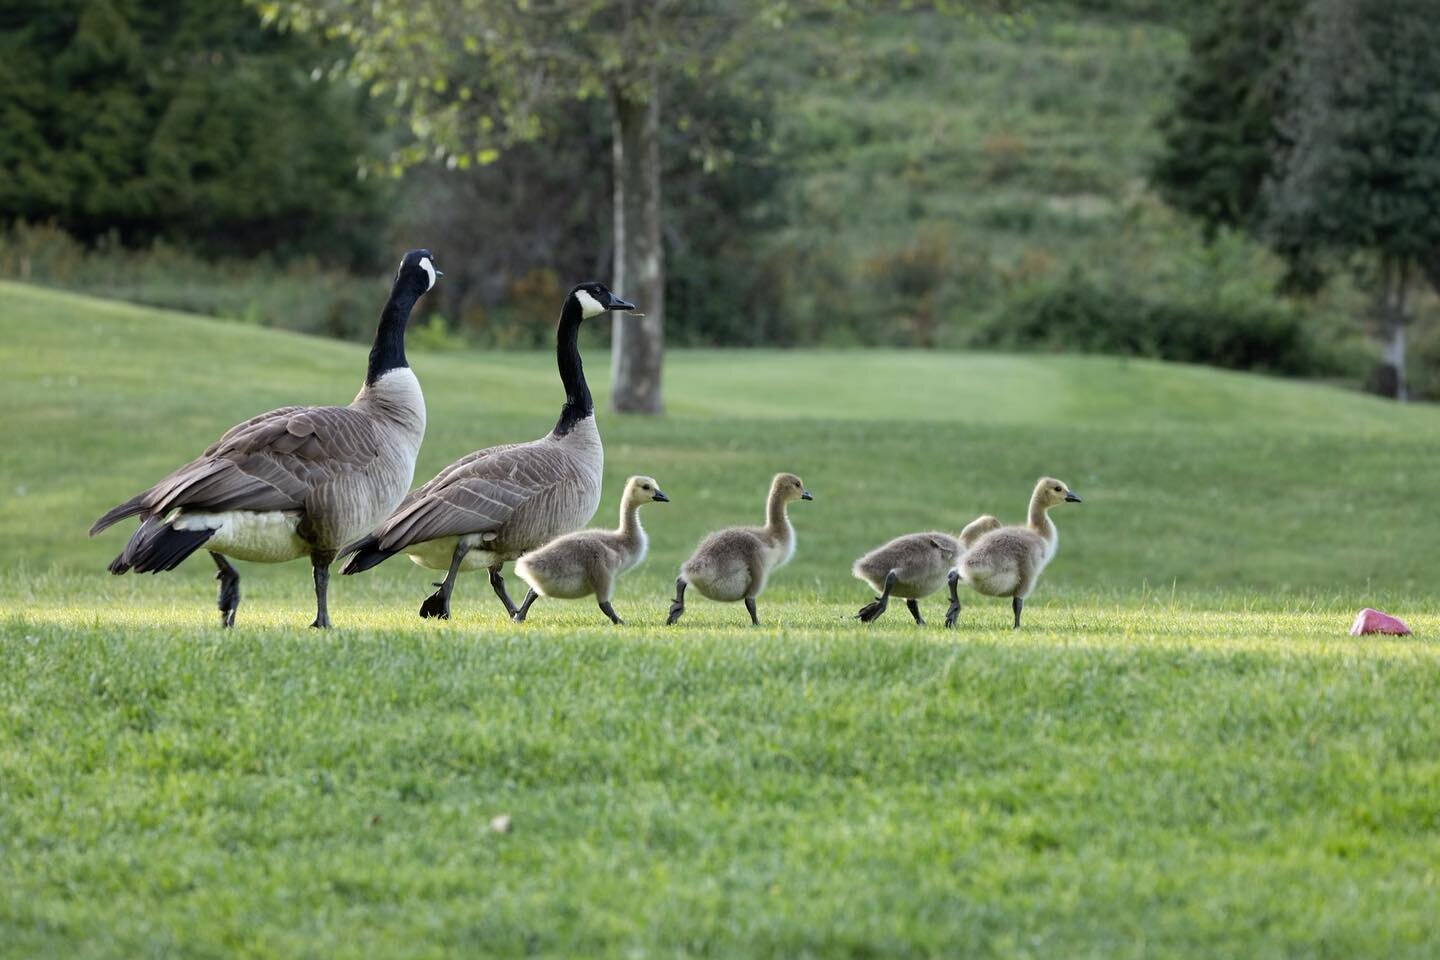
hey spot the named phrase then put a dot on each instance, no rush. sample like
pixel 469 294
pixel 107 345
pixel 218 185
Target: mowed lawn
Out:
pixel 1181 755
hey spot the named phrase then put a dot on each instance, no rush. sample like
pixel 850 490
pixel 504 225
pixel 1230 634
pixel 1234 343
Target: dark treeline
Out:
pixel 1129 177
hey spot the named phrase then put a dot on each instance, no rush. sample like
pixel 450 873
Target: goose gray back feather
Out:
pixel 521 494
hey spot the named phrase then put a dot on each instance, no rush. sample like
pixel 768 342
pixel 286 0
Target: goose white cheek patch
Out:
pixel 589 306
pixel 429 269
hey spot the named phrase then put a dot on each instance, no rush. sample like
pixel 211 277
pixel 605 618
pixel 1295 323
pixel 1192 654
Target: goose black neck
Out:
pixel 578 404
pixel 388 352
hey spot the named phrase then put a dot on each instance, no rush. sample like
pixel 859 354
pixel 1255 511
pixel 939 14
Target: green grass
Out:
pixel 1182 755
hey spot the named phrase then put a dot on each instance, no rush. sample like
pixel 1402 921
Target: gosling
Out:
pixel 733 564
pixel 580 564
pixel 1007 562
pixel 915 566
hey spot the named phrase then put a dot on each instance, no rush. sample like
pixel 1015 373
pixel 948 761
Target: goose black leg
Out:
pixel 519 615
pixel 871 611
pixel 954 612
pixel 750 605
pixel 914 606
pixel 438 603
pixel 497 583
pixel 320 561
pixel 229 600
pixel 677 606
pixel 609 611
pixel 1017 605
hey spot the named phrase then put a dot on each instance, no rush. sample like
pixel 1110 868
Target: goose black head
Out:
pixel 595 298
pixel 417 273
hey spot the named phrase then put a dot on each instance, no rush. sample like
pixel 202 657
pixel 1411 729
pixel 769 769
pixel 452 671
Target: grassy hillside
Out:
pixel 945 165
pixel 1181 755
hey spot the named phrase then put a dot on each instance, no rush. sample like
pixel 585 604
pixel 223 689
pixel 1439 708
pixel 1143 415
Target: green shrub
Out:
pixel 1076 314
pixel 300 295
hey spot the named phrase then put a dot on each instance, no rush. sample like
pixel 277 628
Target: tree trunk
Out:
pixel 638 346
pixel 1388 380
pixel 1395 345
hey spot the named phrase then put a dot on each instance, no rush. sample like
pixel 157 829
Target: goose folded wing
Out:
pixel 271 462
pixel 475 496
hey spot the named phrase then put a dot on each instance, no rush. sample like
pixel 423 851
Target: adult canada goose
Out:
pixel 914 566
pixel 294 482
pixel 733 564
pixel 493 505
pixel 1007 562
pixel 580 564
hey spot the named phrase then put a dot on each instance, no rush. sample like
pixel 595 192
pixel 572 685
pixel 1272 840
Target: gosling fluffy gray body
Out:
pixel 914 566
pixel 1008 562
pixel 585 563
pixel 735 563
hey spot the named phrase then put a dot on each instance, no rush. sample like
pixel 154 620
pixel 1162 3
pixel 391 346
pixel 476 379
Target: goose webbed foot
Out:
pixel 229 598
pixel 872 610
pixel 750 606
pixel 913 606
pixel 497 583
pixel 437 605
pixel 519 615
pixel 953 612
pixel 677 606
pixel 1017 604
pixel 609 611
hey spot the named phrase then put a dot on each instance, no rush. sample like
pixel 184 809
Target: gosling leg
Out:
pixel 609 611
pixel 438 603
pixel 677 606
pixel 229 599
pixel 320 561
pixel 519 615
pixel 954 612
pixel 1017 605
pixel 871 611
pixel 497 583
pixel 914 606
pixel 750 605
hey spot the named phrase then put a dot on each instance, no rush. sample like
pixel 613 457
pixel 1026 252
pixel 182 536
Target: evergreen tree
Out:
pixel 179 119
pixel 1359 174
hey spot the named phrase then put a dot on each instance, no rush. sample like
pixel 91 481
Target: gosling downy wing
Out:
pixel 270 462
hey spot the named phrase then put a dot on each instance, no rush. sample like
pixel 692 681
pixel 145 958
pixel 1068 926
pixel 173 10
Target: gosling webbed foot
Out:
pixel 523 610
pixel 913 606
pixel 953 612
pixel 609 611
pixel 1017 605
pixel 677 606
pixel 750 606
pixel 872 610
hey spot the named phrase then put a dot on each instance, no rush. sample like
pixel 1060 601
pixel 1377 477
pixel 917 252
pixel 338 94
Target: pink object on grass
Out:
pixel 1373 621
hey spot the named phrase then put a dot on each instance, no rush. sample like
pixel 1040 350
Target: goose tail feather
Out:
pixel 365 554
pixel 157 546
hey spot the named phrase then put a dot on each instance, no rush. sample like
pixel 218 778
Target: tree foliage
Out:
pixel 178 119
pixel 1360 167
pixel 1220 134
